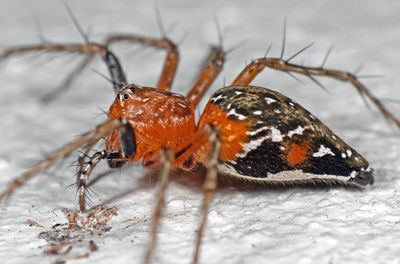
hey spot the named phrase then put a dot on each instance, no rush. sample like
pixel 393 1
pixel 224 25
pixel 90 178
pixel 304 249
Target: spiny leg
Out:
pixel 73 48
pixel 86 168
pixel 207 134
pixel 166 160
pixel 115 160
pixel 212 67
pixel 89 49
pixel 210 185
pixel 69 80
pixel 254 68
pixel 88 138
pixel 112 62
pixel 171 60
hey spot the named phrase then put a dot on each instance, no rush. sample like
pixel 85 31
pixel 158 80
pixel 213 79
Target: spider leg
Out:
pixel 171 60
pixel 89 138
pixel 86 168
pixel 206 134
pixel 114 67
pixel 69 80
pixel 199 139
pixel 166 161
pixel 115 160
pixel 210 185
pixel 89 49
pixel 212 67
pixel 254 68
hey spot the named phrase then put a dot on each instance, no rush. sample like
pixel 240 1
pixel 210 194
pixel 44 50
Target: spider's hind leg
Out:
pixel 255 67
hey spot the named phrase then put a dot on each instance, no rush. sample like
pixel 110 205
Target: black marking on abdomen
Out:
pixel 288 130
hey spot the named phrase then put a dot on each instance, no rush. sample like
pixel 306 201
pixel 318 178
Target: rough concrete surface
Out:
pixel 246 224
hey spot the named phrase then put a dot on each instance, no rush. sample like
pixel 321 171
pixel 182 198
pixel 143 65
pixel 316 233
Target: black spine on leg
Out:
pixel 115 69
pixel 128 140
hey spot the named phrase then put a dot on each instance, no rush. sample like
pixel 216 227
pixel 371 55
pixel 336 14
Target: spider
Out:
pixel 246 132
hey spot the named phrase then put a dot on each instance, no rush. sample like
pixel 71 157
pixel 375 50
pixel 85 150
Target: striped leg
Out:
pixel 88 139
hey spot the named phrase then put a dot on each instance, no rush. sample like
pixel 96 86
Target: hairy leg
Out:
pixel 88 49
pixel 254 68
pixel 210 186
pixel 171 61
pixel 212 67
pixel 86 168
pixel 166 160
pixel 87 139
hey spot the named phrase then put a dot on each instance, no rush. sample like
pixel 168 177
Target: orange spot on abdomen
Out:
pixel 233 133
pixel 297 153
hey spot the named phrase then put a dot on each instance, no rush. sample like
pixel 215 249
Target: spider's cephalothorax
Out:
pixel 160 119
pixel 267 136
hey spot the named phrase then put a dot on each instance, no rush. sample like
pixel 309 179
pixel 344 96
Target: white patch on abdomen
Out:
pixel 323 151
pixel 234 113
pixel 299 130
pixel 284 176
pixel 275 136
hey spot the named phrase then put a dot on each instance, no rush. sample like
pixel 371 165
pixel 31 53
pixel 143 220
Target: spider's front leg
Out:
pixel 88 49
pixel 88 139
pixel 91 49
pixel 206 135
pixel 171 60
pixel 165 160
pixel 115 160
pixel 210 184
pixel 86 168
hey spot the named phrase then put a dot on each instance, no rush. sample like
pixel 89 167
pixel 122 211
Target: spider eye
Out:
pixel 118 96
pixel 126 96
pixel 132 89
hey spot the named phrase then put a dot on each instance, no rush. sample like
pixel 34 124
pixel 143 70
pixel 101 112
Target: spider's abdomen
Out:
pixel 266 136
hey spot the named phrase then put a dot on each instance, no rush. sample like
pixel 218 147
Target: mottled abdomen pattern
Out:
pixel 268 137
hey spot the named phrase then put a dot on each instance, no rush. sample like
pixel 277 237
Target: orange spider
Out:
pixel 246 132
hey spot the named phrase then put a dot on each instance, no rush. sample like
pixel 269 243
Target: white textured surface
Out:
pixel 274 225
